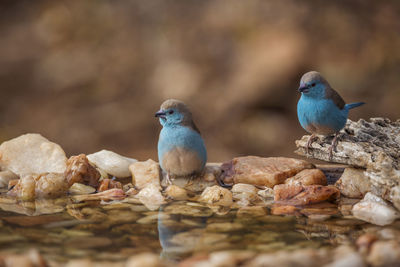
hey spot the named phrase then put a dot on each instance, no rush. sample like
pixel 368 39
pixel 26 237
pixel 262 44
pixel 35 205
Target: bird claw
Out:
pixel 309 143
pixel 168 179
pixel 191 180
pixel 330 153
pixel 332 148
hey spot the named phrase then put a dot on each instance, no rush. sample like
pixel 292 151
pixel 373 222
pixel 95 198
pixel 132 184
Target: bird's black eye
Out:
pixel 171 112
pixel 313 84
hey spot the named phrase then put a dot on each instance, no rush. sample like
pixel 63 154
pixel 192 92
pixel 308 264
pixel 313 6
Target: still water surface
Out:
pixel 114 231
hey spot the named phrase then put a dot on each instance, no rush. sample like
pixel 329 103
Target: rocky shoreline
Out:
pixel 367 193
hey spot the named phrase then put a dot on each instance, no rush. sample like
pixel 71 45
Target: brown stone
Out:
pixel 216 195
pixel 283 210
pixel 262 171
pixel 308 177
pixel 283 191
pixel 176 192
pixel 32 220
pixel 298 195
pixel 106 184
pixel 251 211
pixel 79 170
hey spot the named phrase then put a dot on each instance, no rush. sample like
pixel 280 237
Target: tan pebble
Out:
pixel 176 192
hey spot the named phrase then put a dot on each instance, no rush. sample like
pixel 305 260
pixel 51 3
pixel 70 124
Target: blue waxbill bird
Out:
pixel 321 110
pixel 181 150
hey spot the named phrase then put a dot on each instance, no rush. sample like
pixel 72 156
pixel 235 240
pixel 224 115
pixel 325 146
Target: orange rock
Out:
pixel 262 171
pixel 285 191
pixel 106 184
pixel 298 195
pixel 79 170
pixel 308 177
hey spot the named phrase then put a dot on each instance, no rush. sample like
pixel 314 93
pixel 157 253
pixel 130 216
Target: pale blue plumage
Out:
pixel 320 109
pixel 172 136
pixel 181 149
pixel 321 112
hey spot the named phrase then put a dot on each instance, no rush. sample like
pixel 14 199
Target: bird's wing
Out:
pixel 336 98
pixel 190 124
pixel 194 127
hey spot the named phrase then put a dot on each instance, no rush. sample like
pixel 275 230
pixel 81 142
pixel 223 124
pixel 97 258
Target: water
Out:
pixel 114 231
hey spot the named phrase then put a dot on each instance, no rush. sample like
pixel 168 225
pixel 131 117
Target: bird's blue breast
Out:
pixel 172 137
pixel 321 115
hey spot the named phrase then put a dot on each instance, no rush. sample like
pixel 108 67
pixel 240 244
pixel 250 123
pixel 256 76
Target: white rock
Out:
pixel 5 177
pixel 81 189
pixel 112 163
pixel 216 195
pixel 374 209
pixel 32 153
pixel 151 197
pixel 353 183
pixel 145 173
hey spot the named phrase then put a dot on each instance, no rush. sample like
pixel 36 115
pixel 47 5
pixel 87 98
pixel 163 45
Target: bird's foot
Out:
pixel 332 148
pixel 309 143
pixel 191 179
pixel 168 179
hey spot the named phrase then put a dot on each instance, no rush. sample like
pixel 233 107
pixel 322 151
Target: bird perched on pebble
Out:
pixel 181 149
pixel 321 110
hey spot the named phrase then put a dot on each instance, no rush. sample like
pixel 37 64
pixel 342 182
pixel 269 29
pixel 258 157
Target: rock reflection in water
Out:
pixel 116 230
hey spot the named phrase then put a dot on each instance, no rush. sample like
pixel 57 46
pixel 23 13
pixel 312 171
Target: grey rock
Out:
pixel 363 144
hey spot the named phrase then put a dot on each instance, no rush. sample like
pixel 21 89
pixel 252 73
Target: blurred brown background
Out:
pixel 91 74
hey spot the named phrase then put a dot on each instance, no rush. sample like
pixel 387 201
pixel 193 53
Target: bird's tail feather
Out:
pixel 354 105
